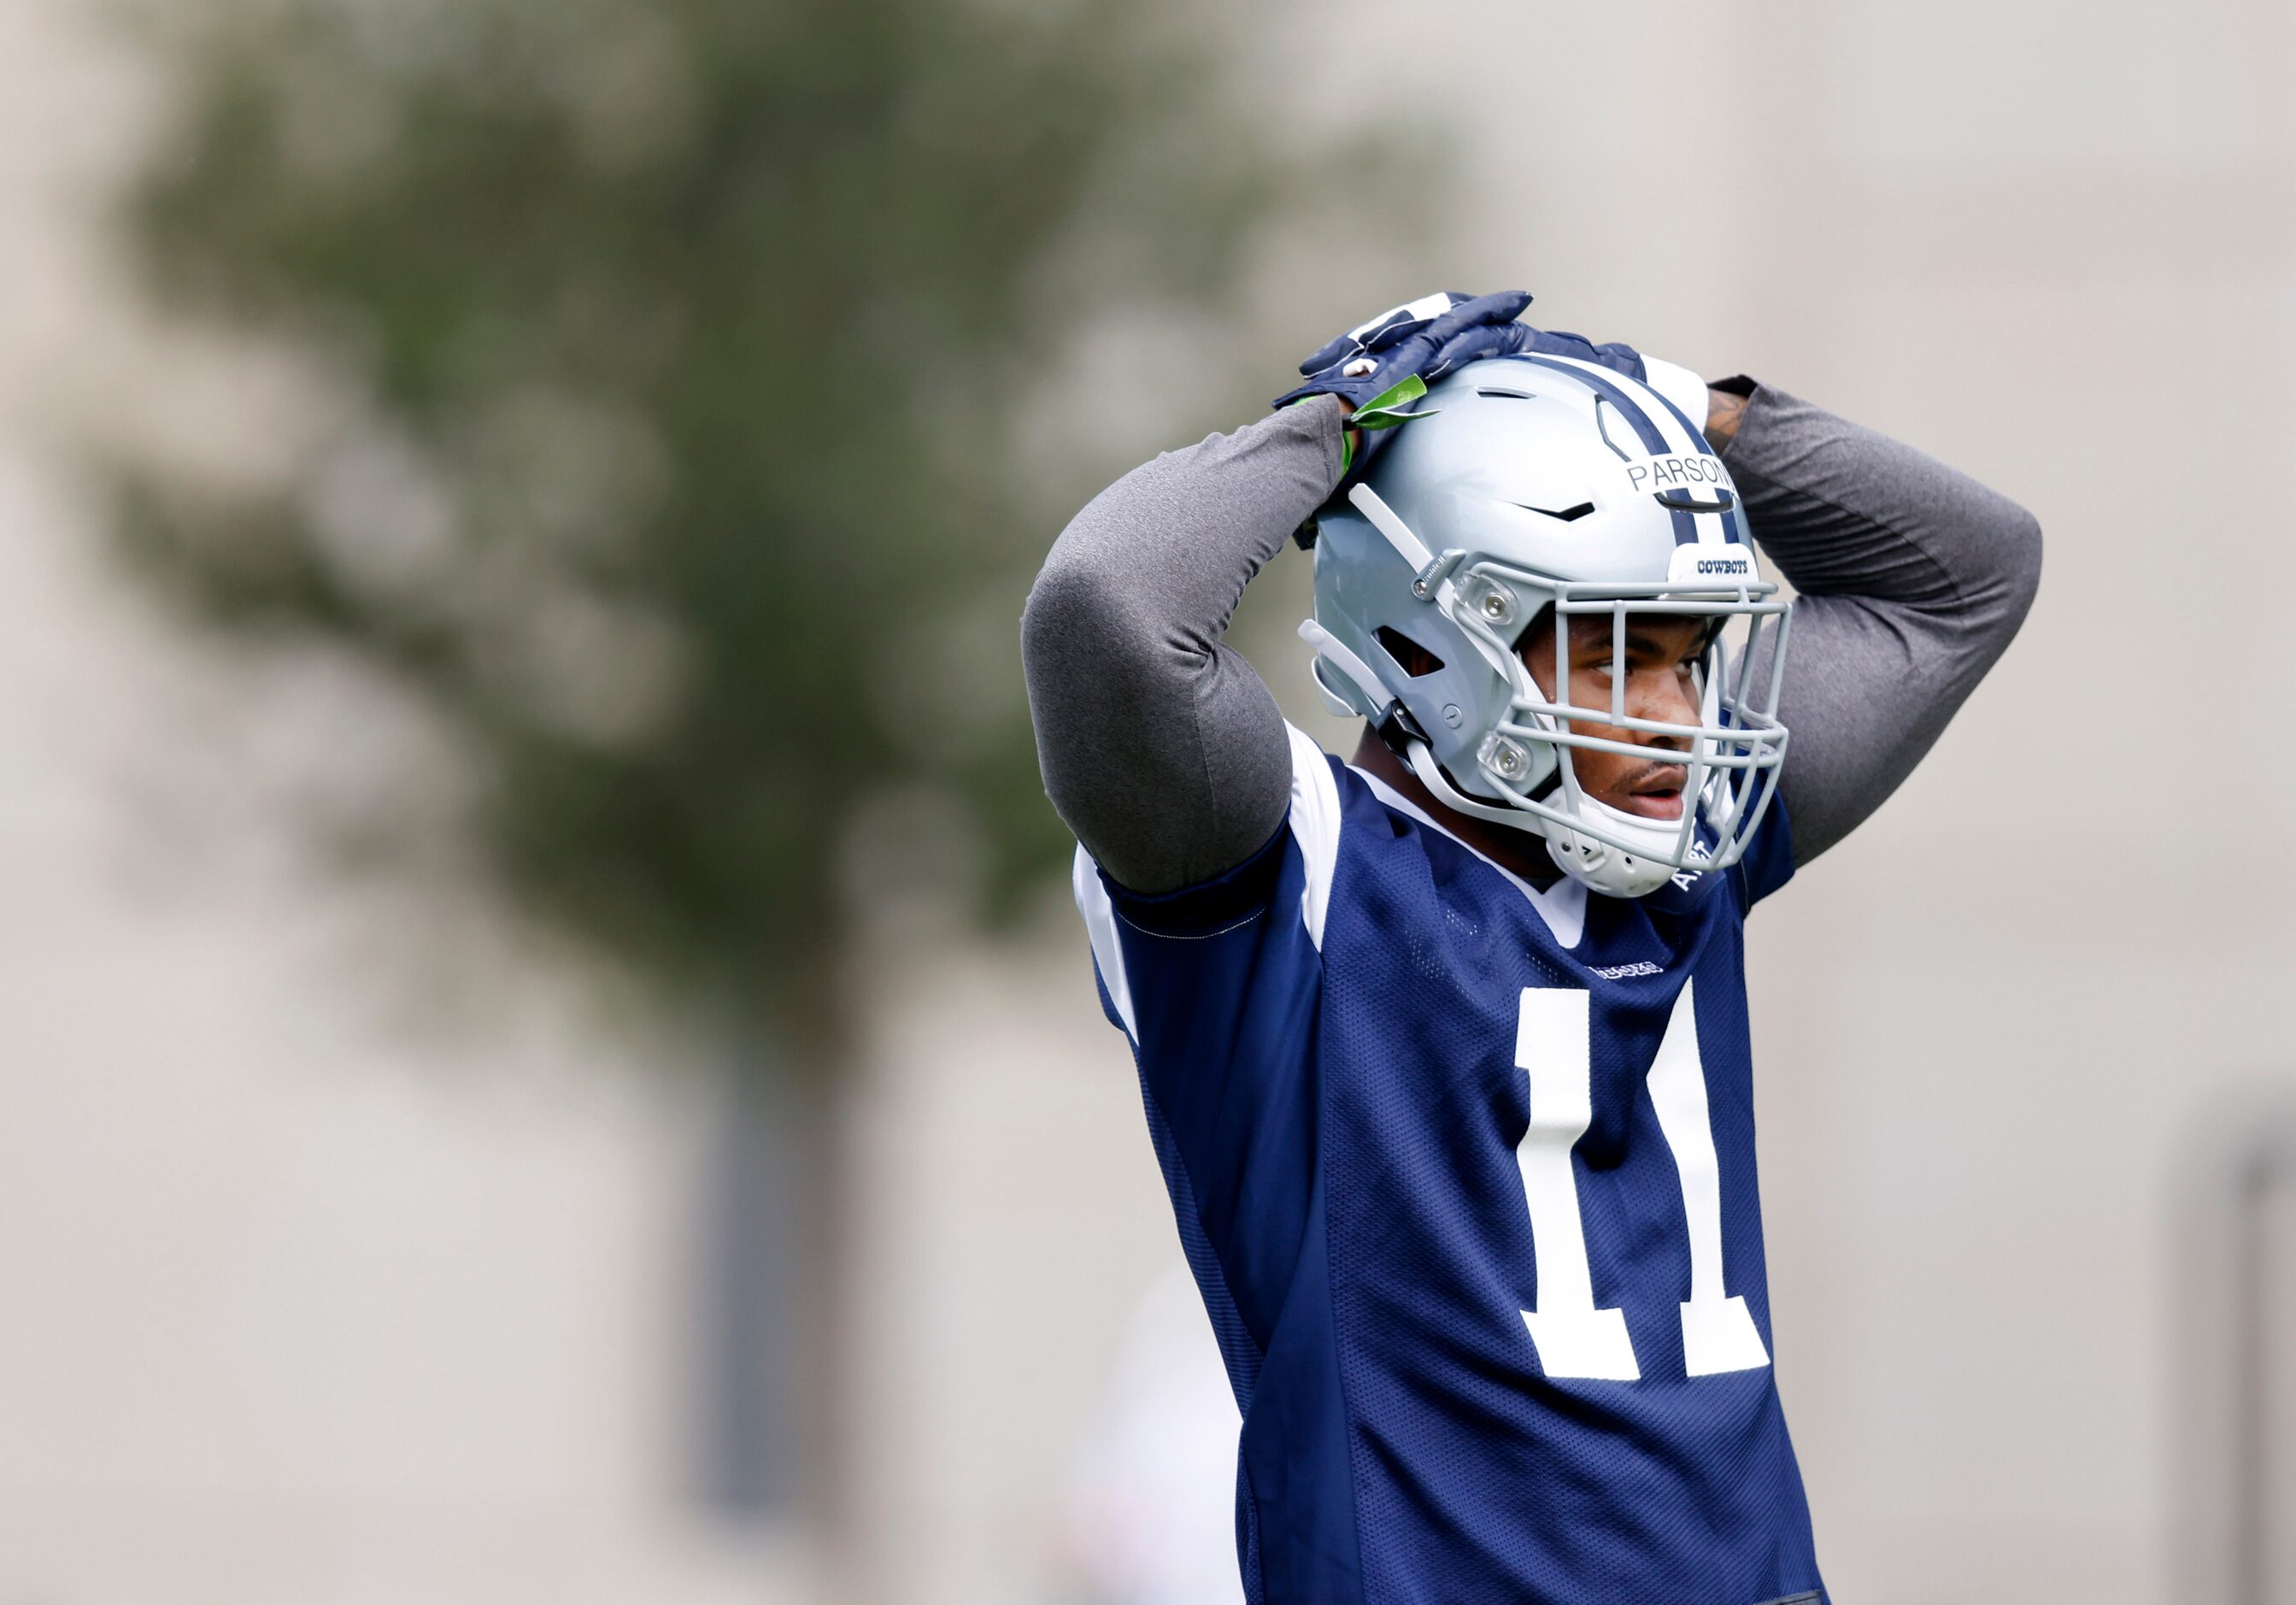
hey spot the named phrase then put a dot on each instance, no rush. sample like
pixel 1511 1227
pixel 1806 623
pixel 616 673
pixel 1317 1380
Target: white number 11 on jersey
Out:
pixel 1572 1336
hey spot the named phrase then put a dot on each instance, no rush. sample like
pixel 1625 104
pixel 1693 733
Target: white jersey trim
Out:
pixel 1107 953
pixel 1316 827
pixel 1562 906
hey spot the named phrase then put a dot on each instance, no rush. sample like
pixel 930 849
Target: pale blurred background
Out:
pixel 542 1057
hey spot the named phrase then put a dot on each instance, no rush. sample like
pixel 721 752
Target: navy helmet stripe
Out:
pixel 1685 522
pixel 1695 434
pixel 1732 529
pixel 1654 441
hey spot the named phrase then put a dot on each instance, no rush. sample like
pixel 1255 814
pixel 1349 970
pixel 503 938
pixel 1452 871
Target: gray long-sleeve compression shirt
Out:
pixel 1164 752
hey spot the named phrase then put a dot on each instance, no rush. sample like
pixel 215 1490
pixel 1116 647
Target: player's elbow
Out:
pixel 2017 554
pixel 1994 569
pixel 1074 616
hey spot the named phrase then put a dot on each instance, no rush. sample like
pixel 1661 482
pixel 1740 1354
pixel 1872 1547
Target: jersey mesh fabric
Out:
pixel 1365 1227
pixel 1473 1472
pixel 1238 1353
pixel 1247 1537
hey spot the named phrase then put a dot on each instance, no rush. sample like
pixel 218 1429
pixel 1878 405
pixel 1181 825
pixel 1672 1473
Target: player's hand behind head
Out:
pixel 1373 367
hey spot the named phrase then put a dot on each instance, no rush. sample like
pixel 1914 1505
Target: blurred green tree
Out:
pixel 688 335
pixel 681 344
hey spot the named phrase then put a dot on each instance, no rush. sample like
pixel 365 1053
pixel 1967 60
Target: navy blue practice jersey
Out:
pixel 1465 1171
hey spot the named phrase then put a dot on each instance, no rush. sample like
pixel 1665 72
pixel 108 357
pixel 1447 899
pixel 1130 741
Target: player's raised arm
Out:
pixel 1161 749
pixel 1914 580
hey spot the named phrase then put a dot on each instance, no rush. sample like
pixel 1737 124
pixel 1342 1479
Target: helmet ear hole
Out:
pixel 1415 661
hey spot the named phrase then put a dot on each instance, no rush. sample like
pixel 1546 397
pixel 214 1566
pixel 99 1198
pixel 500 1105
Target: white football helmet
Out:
pixel 1533 490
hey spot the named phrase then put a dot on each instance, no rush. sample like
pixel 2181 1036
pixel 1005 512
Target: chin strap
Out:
pixel 1430 774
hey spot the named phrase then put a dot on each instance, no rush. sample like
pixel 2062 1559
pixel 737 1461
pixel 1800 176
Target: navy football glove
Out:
pixel 1383 365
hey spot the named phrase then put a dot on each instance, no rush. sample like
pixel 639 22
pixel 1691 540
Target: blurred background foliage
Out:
pixel 684 340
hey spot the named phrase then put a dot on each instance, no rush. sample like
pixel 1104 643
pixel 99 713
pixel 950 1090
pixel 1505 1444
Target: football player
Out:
pixel 1443 1050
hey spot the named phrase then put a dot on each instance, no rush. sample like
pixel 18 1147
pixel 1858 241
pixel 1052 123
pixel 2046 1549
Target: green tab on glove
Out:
pixel 1385 410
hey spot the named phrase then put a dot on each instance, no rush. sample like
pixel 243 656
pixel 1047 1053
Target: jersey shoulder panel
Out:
pixel 1219 988
pixel 1311 826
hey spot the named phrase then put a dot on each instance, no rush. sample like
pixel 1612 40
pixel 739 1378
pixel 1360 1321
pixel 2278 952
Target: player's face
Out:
pixel 1663 654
